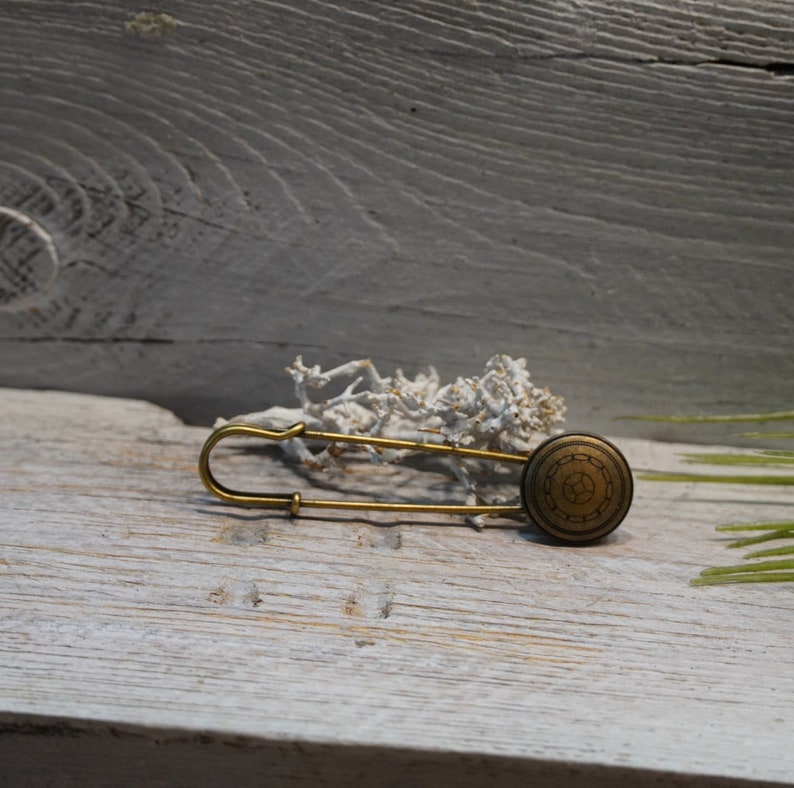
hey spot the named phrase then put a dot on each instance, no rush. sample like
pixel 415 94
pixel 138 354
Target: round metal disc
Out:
pixel 577 487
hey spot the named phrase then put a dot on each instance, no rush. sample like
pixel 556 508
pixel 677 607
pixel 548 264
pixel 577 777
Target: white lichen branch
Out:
pixel 499 410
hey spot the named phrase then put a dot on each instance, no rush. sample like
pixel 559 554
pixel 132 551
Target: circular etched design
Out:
pixel 577 487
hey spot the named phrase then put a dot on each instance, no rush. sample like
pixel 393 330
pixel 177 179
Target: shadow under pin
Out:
pixel 576 487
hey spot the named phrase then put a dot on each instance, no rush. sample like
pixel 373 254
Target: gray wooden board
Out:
pixel 604 188
pixel 139 614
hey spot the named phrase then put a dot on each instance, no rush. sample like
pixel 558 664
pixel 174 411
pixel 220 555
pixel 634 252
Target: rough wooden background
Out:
pixel 187 202
pixel 152 636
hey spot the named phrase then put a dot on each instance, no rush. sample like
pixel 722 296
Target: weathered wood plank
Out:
pixel 606 190
pixel 137 615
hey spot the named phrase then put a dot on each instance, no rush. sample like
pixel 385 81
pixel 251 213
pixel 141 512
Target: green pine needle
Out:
pixel 785 550
pixel 773 530
pixel 750 577
pixel 760 566
pixel 783 415
pixel 764 435
pixel 716 479
pixel 760 571
pixel 777 570
pixel 779 525
pixel 763 458
pixel 767 537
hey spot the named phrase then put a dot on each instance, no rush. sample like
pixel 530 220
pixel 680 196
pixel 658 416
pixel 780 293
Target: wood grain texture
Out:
pixel 146 625
pixel 604 188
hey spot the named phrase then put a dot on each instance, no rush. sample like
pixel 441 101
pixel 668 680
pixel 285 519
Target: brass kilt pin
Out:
pixel 577 487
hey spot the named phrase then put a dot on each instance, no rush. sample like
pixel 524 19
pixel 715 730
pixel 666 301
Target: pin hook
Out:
pixel 576 486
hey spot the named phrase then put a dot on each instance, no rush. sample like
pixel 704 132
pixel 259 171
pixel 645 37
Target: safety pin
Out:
pixel 577 487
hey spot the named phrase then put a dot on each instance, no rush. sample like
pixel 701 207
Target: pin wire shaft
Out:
pixel 294 501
